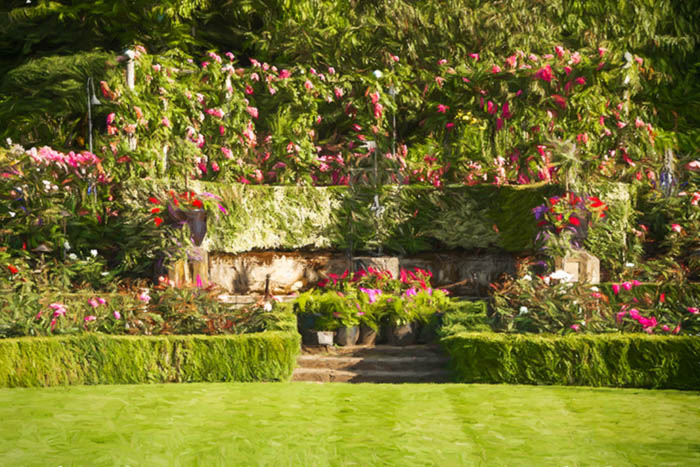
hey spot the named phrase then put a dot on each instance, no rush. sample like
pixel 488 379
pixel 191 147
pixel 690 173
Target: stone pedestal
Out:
pixel 583 266
pixel 383 263
pixel 186 271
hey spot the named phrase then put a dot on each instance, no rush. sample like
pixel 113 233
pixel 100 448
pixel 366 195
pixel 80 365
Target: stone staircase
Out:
pixel 376 364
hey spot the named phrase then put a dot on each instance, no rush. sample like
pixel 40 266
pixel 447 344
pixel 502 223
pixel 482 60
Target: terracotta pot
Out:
pixel 402 335
pixel 368 336
pixel 347 335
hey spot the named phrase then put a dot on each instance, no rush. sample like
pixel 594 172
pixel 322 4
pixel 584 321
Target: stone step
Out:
pixel 326 375
pixel 374 351
pixel 380 363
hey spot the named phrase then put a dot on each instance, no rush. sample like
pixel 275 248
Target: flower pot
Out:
pixel 402 335
pixel 324 337
pixel 368 336
pixel 347 335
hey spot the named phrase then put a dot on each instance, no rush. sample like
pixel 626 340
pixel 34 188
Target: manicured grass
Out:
pixel 337 424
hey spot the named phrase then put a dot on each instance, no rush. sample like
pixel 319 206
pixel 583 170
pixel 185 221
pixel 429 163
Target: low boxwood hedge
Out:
pixel 630 360
pixel 105 359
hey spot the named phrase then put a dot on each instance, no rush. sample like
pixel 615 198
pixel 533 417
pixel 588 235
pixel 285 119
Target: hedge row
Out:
pixel 635 360
pixel 103 359
pixel 413 218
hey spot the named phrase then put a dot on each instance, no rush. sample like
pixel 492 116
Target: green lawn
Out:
pixel 337 424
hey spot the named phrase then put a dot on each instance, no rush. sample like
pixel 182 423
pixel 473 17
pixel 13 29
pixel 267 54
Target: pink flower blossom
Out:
pixel 442 108
pixel 496 69
pixel 601 51
pixel 575 327
pixel 93 302
pixel 253 111
pixel 144 297
pixel 59 309
pixel 216 112
pixel 394 58
pixel 89 318
pixel 693 310
pixel 439 80
pixel 442 61
pixel 474 56
pixel 693 165
pixel 580 80
pixel 491 108
pixel 616 288
pixel 165 122
pixel 116 315
pixel 449 125
pixel 575 58
pixel 545 73
pixel 284 74
pixel 676 228
pixel 627 285
pixel 308 85
pixel 559 51
pixel 110 118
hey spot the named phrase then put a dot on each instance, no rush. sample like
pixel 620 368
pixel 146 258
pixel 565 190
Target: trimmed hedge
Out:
pixel 635 360
pixel 104 359
pixel 414 218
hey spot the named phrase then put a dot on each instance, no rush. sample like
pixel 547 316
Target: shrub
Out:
pixel 634 360
pixel 101 359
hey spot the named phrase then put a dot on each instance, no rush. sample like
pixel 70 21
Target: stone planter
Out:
pixel 347 335
pixel 405 334
pixel 368 336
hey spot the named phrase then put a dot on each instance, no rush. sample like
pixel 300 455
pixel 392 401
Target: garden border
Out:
pixel 105 359
pixel 632 360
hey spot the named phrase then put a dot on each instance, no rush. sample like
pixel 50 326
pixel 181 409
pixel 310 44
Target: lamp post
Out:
pixel 91 100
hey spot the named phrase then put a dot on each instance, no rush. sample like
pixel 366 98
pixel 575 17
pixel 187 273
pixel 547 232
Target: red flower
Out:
pixel 158 221
pixel 322 283
pixel 153 200
pixel 198 204
pixel 155 210
pixel 575 221
pixel 13 270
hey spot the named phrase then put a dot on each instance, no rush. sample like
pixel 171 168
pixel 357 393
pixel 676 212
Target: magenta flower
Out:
pixel 93 303
pixel 117 315
pixel 545 73
pixel 253 111
pixel 308 85
pixel 495 69
pixel 89 318
pixel 575 327
pixel 144 297
pixel 442 108
pixel 474 56
pixel 491 108
pixel 676 228
pixel 284 74
pixel 394 58
pixel 627 285
pixel 616 288
pixel 59 309
pixel 693 310
pixel 110 118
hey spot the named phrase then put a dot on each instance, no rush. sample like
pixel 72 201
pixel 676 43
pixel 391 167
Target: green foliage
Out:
pixel 463 316
pixel 101 359
pixel 605 360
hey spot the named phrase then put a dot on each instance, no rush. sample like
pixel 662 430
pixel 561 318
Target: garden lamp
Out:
pixel 91 100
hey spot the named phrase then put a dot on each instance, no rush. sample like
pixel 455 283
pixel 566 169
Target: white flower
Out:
pixel 267 306
pixel 377 74
pixel 93 253
pixel 523 310
pixel 105 273
pixel 562 275
pixel 66 245
pixel 595 289
pixel 527 277
pixel 73 257
pixel 12 214
pixel 629 265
